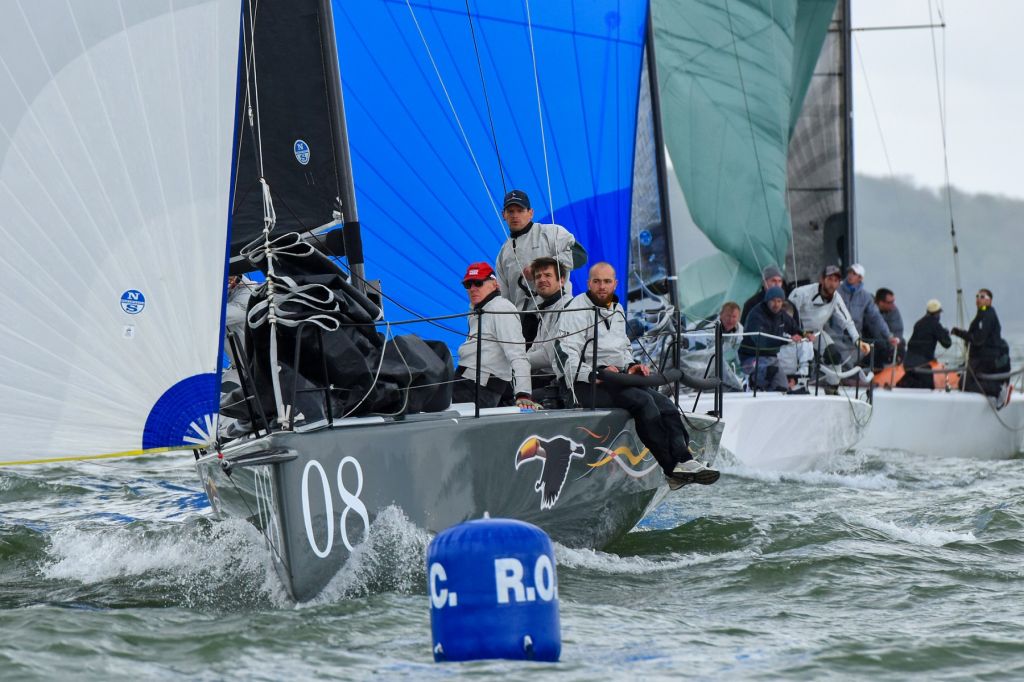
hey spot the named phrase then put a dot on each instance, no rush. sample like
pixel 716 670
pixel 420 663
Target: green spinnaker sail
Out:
pixel 732 78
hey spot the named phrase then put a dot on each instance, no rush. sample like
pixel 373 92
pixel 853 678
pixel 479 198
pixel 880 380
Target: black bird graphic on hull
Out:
pixel 555 455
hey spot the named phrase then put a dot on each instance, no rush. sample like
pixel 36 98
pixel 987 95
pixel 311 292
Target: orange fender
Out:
pixel 947 381
pixel 889 376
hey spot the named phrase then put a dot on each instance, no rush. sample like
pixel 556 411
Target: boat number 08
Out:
pixel 351 500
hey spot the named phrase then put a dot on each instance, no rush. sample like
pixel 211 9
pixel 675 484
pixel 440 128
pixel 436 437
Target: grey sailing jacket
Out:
pixel 575 351
pixel 537 240
pixel 865 312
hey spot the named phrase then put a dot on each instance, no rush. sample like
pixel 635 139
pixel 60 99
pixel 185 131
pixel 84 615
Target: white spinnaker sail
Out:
pixel 116 124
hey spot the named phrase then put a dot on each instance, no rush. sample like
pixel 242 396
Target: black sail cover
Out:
pixel 326 334
pixel 282 83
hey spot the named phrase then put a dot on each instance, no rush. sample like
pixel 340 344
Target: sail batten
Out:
pixel 424 209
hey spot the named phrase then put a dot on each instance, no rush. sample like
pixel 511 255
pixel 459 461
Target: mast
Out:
pixel 346 185
pixel 846 107
pixel 659 153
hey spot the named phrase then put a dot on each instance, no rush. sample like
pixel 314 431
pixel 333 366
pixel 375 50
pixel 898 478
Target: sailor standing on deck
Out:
pixel 528 241
pixel 503 353
pixel 817 305
pixel 928 331
pixel 987 352
pixel 658 422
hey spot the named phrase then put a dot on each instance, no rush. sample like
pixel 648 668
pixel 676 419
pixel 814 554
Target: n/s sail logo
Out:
pixel 133 301
pixel 301 150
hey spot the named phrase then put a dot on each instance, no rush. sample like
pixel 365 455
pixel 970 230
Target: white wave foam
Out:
pixel 915 535
pixel 198 557
pixel 874 481
pixel 391 560
pixel 604 562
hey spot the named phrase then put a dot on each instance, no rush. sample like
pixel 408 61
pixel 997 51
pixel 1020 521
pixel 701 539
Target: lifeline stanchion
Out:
pixel 479 356
pixel 593 366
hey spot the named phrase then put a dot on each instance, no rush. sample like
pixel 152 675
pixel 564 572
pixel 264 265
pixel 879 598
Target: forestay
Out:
pixel 115 165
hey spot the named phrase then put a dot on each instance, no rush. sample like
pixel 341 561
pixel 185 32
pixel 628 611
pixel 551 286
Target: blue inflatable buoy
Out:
pixel 493 592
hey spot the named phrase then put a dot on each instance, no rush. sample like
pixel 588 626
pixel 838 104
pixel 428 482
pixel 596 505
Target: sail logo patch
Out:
pixel 301 150
pixel 133 301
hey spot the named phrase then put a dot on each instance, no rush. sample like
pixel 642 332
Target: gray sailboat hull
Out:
pixel 581 475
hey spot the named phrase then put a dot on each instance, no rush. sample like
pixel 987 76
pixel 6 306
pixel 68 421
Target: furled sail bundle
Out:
pixel 115 165
pixel 435 96
pixel 732 77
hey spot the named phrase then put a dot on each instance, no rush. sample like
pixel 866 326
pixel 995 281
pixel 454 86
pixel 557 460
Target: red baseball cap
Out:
pixel 478 271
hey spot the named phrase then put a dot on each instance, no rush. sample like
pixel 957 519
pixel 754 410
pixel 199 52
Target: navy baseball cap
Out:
pixel 517 197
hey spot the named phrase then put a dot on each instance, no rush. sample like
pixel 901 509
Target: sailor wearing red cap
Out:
pixel 503 352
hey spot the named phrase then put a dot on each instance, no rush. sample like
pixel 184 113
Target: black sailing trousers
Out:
pixel 658 422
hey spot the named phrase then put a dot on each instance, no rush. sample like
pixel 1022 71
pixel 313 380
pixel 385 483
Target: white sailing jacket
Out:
pixel 542 353
pixel 575 351
pixel 815 311
pixel 506 360
pixel 540 239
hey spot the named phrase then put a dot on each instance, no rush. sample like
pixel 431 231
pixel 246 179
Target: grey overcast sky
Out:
pixel 984 72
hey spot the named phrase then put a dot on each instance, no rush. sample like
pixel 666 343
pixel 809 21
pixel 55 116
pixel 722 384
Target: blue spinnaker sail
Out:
pixel 424 82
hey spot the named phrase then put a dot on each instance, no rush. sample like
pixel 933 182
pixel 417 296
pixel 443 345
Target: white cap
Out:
pixel 933 306
pixel 858 268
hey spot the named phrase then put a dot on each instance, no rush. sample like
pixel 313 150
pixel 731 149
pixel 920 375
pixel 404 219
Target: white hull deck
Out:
pixel 780 432
pixel 941 424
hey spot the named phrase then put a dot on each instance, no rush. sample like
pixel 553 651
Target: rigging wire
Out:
pixel 487 100
pixel 540 113
pixel 871 100
pixel 940 90
pixel 458 121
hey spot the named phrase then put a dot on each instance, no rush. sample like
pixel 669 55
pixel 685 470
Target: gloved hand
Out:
pixel 527 403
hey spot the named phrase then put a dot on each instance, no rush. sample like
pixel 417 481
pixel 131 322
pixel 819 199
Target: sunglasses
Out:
pixel 473 283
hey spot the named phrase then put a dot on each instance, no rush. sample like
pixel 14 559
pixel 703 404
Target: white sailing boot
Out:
pixel 691 471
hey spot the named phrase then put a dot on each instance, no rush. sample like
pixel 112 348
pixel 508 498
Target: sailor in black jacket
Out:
pixel 928 332
pixel 760 352
pixel 987 347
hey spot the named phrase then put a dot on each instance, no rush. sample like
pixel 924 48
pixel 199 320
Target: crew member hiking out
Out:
pixel 658 422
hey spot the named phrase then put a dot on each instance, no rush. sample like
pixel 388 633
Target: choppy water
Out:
pixel 879 565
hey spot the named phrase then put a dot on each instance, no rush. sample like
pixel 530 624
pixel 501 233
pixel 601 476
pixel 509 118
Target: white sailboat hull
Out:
pixel 782 432
pixel 941 424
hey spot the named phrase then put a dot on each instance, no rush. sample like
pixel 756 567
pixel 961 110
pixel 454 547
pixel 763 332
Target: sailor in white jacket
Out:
pixel 658 422
pixel 503 352
pixel 816 305
pixel 528 241
pixel 548 280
